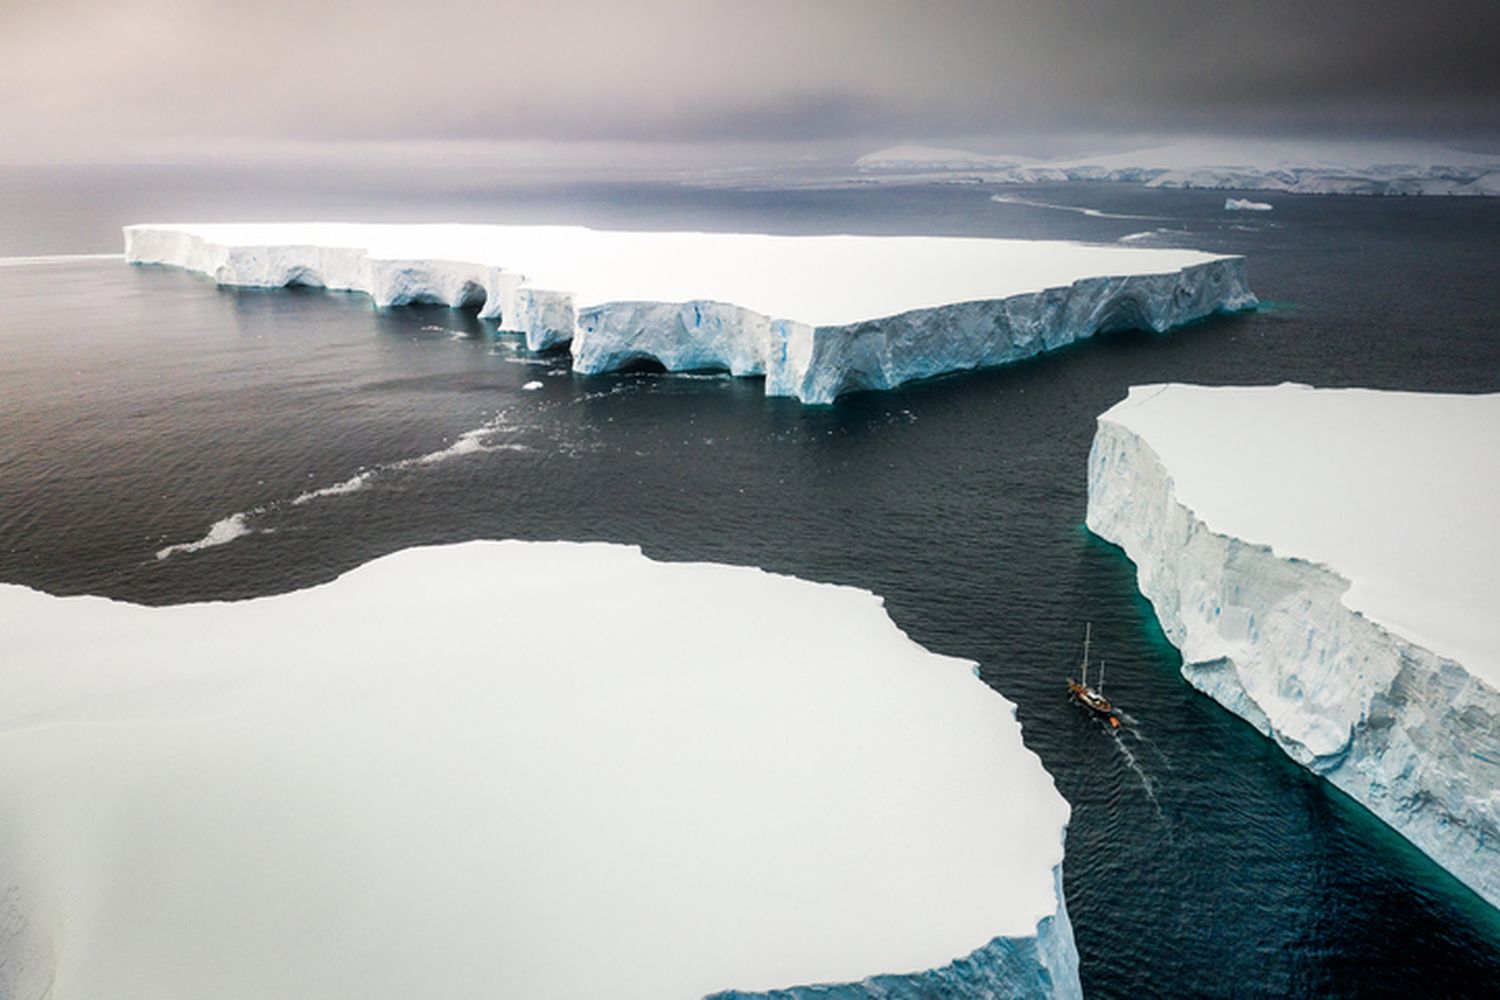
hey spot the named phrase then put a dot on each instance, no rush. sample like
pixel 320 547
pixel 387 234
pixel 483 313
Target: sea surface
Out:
pixel 163 440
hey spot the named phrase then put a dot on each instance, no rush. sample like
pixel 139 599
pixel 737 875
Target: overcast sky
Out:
pixel 100 79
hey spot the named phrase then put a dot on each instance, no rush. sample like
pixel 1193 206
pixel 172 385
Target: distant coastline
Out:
pixel 1383 169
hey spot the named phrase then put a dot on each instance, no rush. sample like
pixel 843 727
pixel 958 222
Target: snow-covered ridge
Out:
pixel 379 787
pixel 817 316
pixel 935 158
pixel 1324 559
pixel 1362 168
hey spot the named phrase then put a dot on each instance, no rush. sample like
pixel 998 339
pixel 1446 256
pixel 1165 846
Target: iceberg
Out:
pixel 1291 166
pixel 816 316
pixel 1246 205
pixel 1325 562
pixel 405 782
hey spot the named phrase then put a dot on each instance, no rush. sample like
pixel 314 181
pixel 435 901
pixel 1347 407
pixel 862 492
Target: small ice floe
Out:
pixel 1245 205
pixel 351 485
pixel 531 386
pixel 222 532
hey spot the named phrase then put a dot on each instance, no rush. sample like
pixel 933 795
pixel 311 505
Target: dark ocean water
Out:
pixel 140 407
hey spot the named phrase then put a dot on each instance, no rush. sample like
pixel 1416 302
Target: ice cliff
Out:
pixel 399 784
pixel 1325 561
pixel 817 316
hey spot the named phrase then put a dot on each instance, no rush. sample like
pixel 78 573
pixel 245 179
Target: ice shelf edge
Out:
pixel 813 364
pixel 1042 965
pixel 1387 721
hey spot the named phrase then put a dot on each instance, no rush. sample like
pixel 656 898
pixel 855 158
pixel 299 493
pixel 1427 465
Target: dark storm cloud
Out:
pixel 80 78
pixel 1311 64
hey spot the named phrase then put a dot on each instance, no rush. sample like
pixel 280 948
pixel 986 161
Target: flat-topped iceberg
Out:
pixel 504 769
pixel 1326 562
pixel 817 316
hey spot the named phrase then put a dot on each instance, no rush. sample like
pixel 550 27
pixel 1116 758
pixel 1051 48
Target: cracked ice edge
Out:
pixel 1393 725
pixel 814 364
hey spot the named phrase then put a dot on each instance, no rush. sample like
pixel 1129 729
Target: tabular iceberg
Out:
pixel 817 316
pixel 1325 561
pixel 404 783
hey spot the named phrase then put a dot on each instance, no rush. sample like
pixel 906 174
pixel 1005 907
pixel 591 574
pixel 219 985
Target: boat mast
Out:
pixel 1088 631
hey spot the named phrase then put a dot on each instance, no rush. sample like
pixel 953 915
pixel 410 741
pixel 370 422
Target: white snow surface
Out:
pixel 1324 559
pixel 1394 491
pixel 1294 166
pixel 816 315
pixel 816 280
pixel 406 783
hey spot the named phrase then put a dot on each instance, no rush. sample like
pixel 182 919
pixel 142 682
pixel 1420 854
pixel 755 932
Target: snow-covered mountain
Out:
pixel 1294 167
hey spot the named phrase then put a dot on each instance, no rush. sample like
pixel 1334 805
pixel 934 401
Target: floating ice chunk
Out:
pixel 1246 205
pixel 221 532
pixel 532 386
pixel 470 442
pixel 818 316
pixel 1325 561
pixel 353 484
pixel 357 790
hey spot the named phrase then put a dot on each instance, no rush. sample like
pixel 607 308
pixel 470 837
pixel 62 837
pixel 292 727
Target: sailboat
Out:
pixel 1086 696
